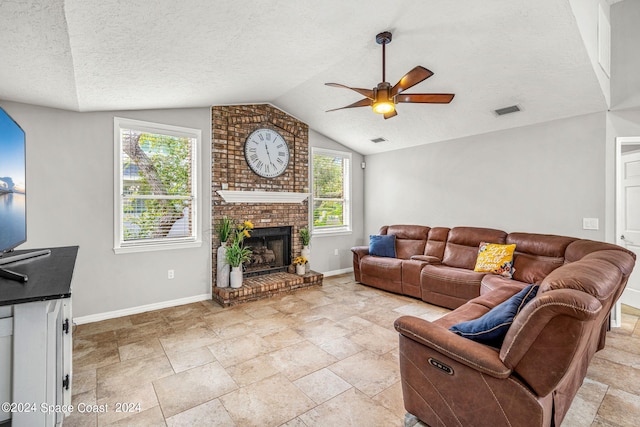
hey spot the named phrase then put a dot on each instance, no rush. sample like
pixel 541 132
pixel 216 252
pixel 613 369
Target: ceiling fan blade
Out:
pixel 391 114
pixel 364 92
pixel 410 79
pixel 426 98
pixel 366 102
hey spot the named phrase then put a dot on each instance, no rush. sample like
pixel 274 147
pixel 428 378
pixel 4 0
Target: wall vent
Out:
pixel 378 140
pixel 507 110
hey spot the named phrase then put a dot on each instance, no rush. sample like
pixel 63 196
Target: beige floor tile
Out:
pixel 620 408
pixel 145 348
pixel 351 408
pixel 341 347
pixel 391 398
pixel 83 381
pixel 283 338
pixel 371 373
pixel 240 349
pixel 322 385
pixel 586 403
pixel 150 418
pixel 381 317
pixel 253 370
pixel 376 338
pixel 321 330
pixel 188 389
pixel 188 340
pixel 301 359
pixel 190 359
pixel 114 378
pixel 145 331
pixel 82 419
pixel 109 325
pixel 624 377
pixel 223 319
pixel 210 414
pixel 128 401
pixel 270 402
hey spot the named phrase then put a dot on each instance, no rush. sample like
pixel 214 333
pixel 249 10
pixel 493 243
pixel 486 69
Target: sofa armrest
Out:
pixel 360 251
pixel 427 258
pixel 477 356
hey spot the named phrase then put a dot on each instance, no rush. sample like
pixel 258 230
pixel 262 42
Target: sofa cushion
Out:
pixel 496 259
pixel 492 282
pixel 445 280
pixel 462 245
pixel 537 255
pixel 382 245
pixel 410 239
pixel 492 327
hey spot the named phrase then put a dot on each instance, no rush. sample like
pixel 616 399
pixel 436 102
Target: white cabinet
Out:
pixel 41 362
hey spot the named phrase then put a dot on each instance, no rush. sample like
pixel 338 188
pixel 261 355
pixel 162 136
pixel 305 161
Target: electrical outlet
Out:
pixel 171 274
pixel 335 252
pixel 590 224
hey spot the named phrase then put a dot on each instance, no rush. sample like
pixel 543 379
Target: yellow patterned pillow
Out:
pixel 497 259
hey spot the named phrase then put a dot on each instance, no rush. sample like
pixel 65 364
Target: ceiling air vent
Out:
pixel 378 140
pixel 507 110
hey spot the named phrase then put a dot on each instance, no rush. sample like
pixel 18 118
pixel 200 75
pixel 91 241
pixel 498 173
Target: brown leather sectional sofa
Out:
pixel 531 380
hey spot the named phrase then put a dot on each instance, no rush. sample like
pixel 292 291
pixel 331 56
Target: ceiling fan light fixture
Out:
pixel 383 107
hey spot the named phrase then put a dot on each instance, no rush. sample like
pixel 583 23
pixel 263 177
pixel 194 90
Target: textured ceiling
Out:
pixel 91 55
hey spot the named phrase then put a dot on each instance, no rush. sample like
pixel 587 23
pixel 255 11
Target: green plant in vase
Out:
pixel 237 253
pixel 223 229
pixel 305 237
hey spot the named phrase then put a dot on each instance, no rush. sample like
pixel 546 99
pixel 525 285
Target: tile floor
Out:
pixel 325 356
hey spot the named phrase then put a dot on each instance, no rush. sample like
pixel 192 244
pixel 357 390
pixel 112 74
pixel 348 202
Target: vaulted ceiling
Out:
pixel 93 55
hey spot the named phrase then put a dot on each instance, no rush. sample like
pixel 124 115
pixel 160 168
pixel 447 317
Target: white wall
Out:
pixel 542 178
pixel 323 247
pixel 70 202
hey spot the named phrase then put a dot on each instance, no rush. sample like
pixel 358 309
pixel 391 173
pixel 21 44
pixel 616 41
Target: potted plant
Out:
pixel 223 230
pixel 237 253
pixel 305 237
pixel 300 262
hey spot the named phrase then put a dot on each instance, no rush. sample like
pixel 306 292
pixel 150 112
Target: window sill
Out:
pixel 157 247
pixel 330 233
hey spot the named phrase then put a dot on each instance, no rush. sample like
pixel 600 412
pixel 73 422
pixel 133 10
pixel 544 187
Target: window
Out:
pixel 331 183
pixel 156 202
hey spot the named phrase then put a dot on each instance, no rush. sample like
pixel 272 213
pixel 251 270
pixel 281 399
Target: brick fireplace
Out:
pixel 239 193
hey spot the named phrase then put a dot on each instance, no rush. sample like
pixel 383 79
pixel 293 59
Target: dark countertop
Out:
pixel 49 277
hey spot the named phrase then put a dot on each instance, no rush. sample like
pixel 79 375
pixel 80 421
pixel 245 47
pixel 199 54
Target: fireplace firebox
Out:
pixel 270 250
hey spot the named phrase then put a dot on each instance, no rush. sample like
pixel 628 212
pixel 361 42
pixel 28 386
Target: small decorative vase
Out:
pixel 236 277
pixel 222 267
pixel 300 269
pixel 306 252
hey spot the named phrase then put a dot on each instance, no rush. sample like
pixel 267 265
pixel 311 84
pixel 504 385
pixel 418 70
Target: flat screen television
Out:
pixel 13 189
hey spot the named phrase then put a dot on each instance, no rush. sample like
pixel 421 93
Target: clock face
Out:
pixel 266 152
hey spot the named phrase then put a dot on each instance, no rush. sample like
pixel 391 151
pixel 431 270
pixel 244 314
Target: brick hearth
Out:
pixel 259 287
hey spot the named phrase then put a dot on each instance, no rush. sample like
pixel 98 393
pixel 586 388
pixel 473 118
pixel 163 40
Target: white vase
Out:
pixel 300 269
pixel 306 252
pixel 222 267
pixel 236 277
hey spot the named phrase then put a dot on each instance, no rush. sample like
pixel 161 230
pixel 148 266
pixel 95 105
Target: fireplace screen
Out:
pixel 270 250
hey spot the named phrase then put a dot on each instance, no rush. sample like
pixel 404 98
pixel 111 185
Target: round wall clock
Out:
pixel 266 152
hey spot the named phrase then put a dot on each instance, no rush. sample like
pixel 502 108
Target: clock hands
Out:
pixel 266 147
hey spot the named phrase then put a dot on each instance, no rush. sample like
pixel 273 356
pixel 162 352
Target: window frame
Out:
pixel 347 199
pixel 195 239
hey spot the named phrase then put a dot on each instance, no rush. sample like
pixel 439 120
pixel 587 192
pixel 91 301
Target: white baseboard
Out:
pixel 631 297
pixel 336 272
pixel 139 309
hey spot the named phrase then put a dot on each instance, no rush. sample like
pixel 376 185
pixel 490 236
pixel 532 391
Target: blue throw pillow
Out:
pixel 492 327
pixel 382 245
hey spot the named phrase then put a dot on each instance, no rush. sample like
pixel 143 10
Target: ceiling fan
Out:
pixel 383 98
